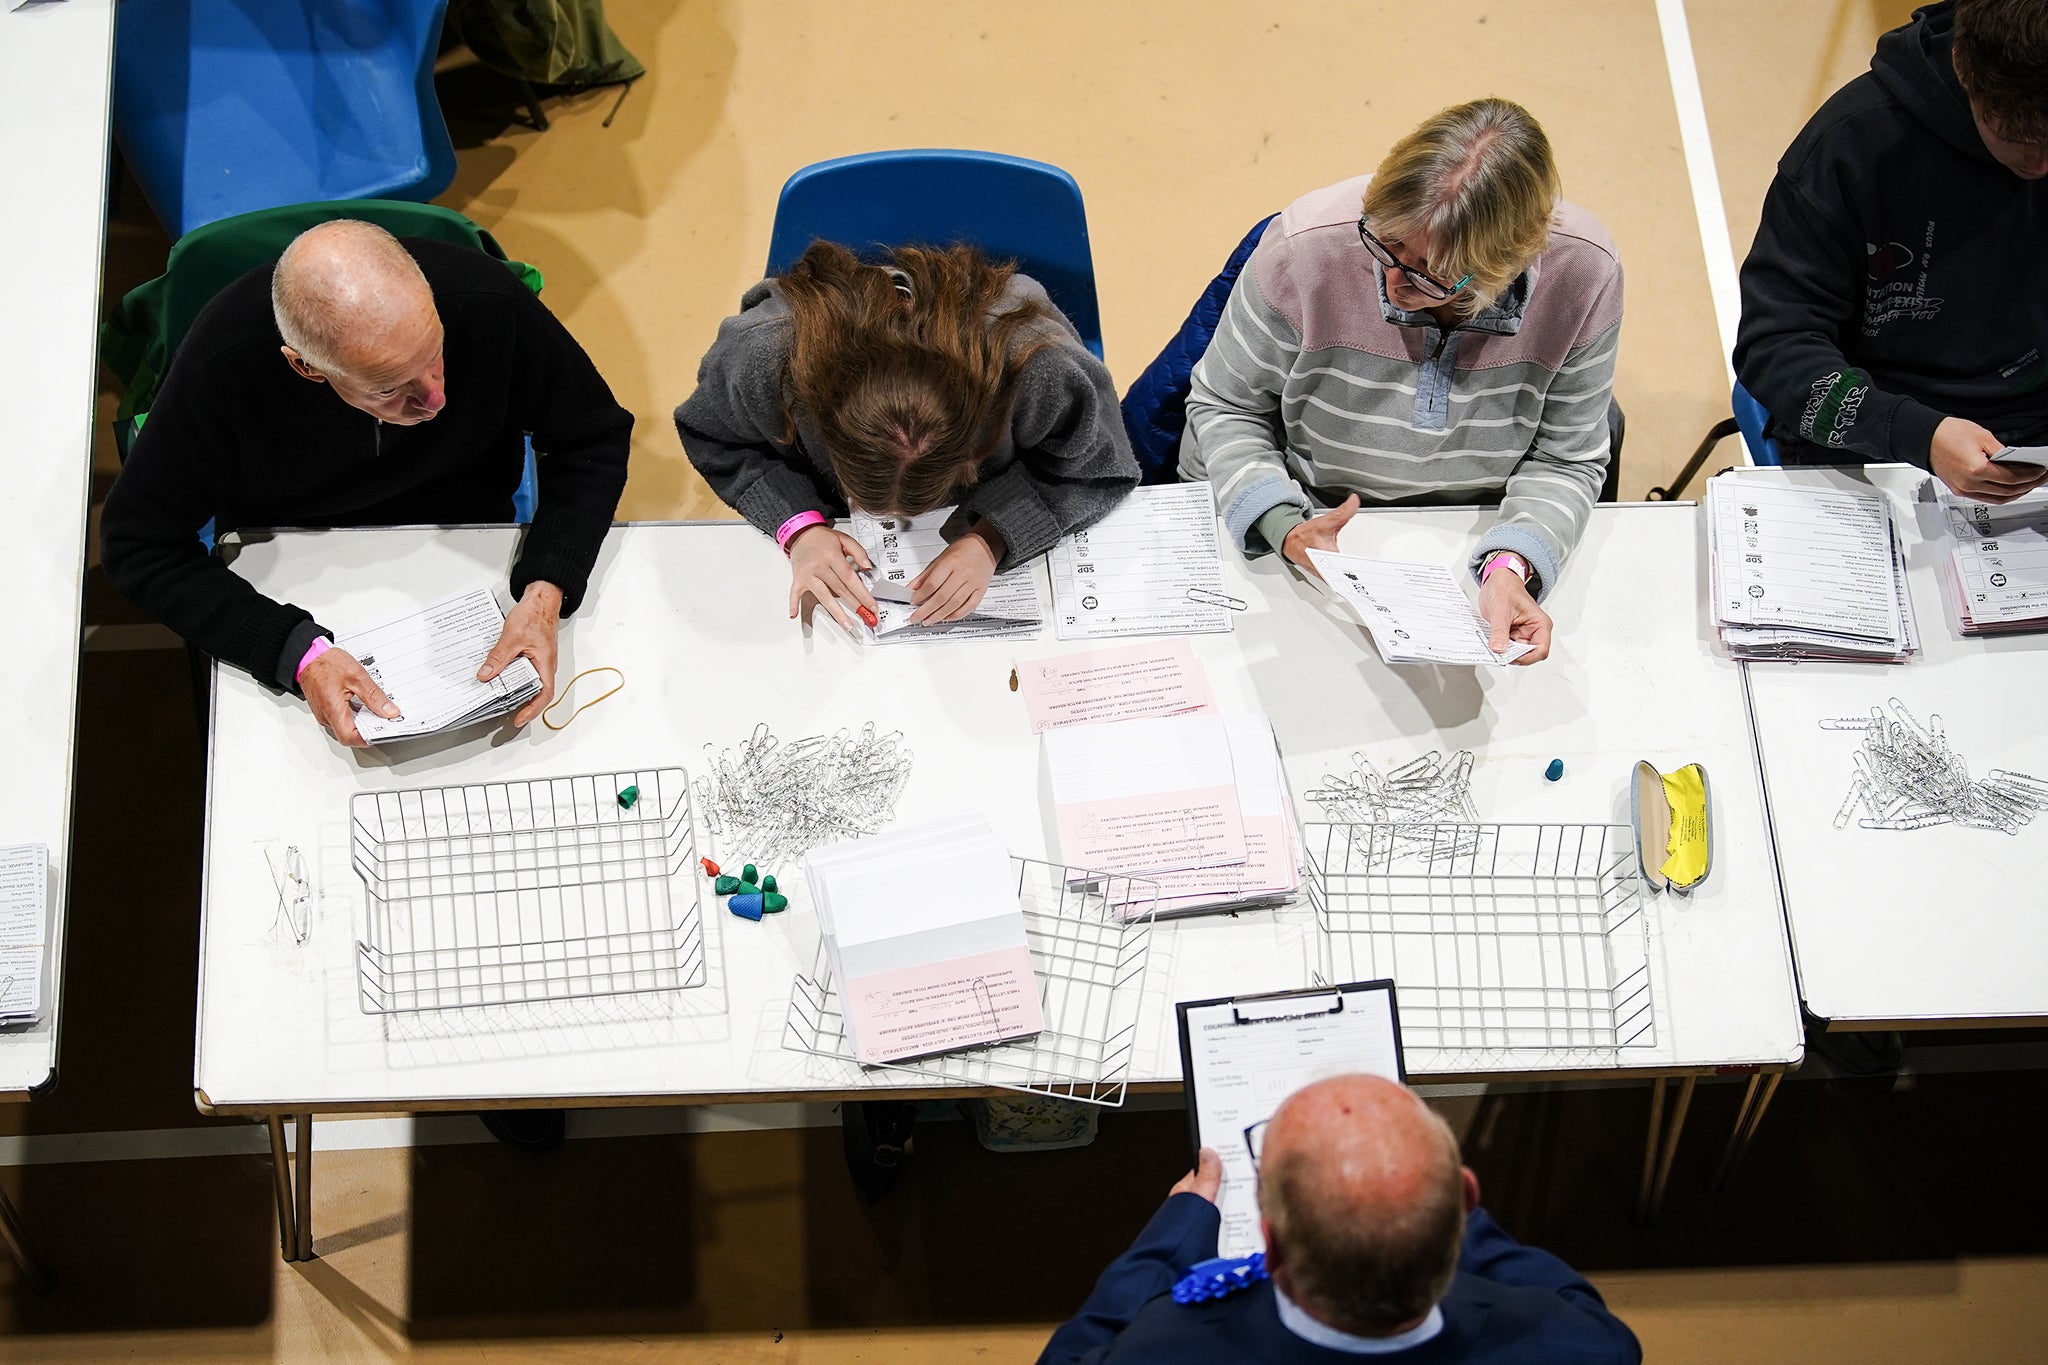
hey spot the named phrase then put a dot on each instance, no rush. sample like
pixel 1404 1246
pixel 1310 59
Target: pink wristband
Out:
pixel 787 531
pixel 1502 559
pixel 321 644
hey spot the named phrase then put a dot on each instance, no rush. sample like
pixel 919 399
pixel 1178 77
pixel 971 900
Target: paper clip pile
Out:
pixel 1432 789
pixel 774 802
pixel 1908 778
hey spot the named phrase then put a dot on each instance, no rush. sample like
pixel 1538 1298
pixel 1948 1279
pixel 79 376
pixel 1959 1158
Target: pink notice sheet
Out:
pixel 1158 678
pixel 1269 867
pixel 962 1002
pixel 1151 832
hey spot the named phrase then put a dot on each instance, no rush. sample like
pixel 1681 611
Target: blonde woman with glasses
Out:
pixel 1441 331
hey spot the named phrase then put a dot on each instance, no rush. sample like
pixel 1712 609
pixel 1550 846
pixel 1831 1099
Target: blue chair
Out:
pixel 1011 208
pixel 1751 418
pixel 223 107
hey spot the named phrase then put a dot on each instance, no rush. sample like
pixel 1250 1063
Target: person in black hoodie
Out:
pixel 364 381
pixel 1895 303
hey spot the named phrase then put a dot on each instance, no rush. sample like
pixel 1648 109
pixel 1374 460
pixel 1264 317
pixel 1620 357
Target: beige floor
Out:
pixel 1184 121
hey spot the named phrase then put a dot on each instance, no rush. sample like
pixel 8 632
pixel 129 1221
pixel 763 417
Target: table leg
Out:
pixel 281 1181
pixel 1650 1147
pixel 305 1189
pixel 1747 1121
pixel 33 1271
pixel 1658 1156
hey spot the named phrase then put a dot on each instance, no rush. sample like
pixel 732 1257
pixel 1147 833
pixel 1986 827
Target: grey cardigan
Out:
pixel 1064 464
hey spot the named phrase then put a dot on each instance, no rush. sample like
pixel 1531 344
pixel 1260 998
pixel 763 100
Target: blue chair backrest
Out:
pixel 227 106
pixel 1011 208
pixel 1751 417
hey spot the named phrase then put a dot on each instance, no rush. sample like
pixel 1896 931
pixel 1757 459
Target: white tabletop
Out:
pixel 55 65
pixel 696 617
pixel 1906 928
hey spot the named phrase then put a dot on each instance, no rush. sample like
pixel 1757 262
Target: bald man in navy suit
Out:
pixel 1375 1247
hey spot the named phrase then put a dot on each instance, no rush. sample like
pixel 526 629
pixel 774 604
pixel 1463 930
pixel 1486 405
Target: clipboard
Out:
pixel 1280 1007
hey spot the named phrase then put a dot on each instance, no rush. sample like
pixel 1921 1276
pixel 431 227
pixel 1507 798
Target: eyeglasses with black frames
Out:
pixel 1426 284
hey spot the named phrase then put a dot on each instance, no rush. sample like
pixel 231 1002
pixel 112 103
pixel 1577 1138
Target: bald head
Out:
pixel 1364 1199
pixel 355 312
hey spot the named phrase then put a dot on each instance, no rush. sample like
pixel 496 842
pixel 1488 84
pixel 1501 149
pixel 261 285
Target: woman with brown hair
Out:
pixel 938 378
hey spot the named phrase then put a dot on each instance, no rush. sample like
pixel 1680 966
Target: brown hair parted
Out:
pixel 910 388
pixel 1479 179
pixel 2001 57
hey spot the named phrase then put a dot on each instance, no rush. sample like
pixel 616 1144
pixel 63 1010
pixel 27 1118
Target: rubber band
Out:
pixel 570 685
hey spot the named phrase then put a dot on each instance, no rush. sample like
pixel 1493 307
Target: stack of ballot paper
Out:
pixel 1151 567
pixel 1417 613
pixel 24 931
pixel 1996 569
pixel 904 547
pixel 1807 573
pixel 1194 802
pixel 926 940
pixel 426 662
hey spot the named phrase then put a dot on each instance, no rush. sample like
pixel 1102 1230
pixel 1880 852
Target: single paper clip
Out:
pixel 1210 598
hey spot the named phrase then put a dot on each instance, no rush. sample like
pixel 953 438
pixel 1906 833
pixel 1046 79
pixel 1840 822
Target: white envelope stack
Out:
pixel 1196 803
pixel 926 940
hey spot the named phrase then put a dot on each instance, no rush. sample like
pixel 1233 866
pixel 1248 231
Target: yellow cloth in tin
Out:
pixel 1686 847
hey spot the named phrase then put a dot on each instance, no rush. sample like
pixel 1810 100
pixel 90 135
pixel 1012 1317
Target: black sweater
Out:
pixel 237 436
pixel 1900 273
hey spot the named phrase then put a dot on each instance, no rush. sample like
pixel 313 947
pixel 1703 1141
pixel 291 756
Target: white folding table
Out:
pixel 56 65
pixel 696 617
pixel 1908 929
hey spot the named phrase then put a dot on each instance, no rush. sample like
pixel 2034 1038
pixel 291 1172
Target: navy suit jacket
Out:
pixel 1508 1303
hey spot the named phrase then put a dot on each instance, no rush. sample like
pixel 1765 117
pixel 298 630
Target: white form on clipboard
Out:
pixel 1242 1056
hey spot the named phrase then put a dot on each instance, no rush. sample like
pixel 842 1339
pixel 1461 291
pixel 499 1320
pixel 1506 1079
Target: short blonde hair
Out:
pixel 1478 178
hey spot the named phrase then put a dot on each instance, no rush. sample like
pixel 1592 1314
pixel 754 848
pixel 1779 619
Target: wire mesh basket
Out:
pixel 1499 938
pixel 1091 937
pixel 517 892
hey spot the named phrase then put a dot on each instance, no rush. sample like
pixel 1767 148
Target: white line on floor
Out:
pixel 1706 182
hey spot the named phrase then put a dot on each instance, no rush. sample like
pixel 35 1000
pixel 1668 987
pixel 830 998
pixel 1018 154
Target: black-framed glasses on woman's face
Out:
pixel 1423 282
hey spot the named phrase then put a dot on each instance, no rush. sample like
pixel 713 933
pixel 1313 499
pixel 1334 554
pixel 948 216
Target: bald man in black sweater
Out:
pixel 364 381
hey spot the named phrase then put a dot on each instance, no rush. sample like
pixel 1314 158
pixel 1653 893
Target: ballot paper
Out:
pixel 1996 569
pixel 24 931
pixel 1805 572
pixel 1159 679
pixel 1143 796
pixel 2034 455
pixel 1271 871
pixel 426 662
pixel 1131 573
pixel 904 547
pixel 1416 613
pixel 926 940
pixel 1241 1058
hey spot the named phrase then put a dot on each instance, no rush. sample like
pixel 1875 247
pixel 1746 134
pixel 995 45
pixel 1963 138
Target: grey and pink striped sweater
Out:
pixel 1316 386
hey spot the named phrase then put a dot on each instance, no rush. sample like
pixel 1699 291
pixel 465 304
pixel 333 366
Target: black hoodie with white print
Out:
pixel 1900 273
